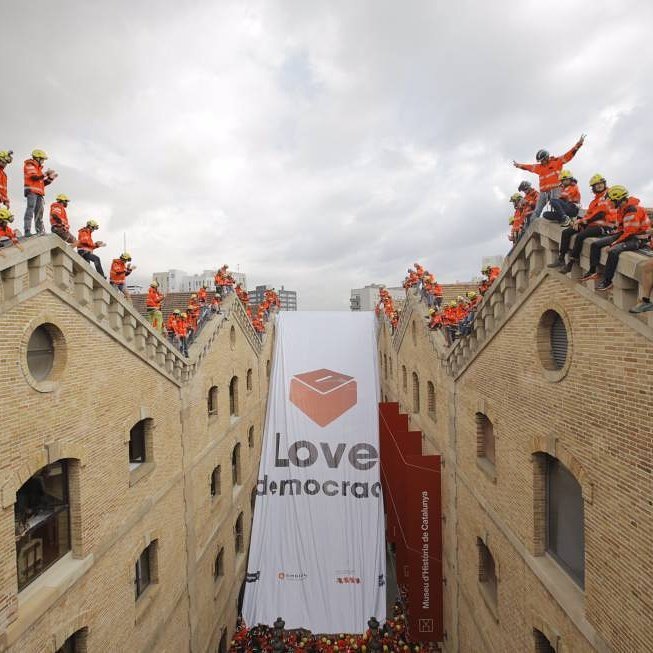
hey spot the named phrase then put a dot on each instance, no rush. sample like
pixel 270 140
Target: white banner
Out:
pixel 317 553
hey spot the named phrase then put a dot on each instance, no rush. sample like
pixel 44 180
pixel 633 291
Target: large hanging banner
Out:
pixel 317 552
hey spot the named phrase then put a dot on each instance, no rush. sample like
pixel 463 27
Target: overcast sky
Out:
pixel 320 145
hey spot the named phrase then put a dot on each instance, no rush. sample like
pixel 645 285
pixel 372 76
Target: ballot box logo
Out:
pixel 323 395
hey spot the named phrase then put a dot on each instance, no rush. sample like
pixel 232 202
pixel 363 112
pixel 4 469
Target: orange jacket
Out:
pixel 634 220
pixel 494 273
pixel 35 180
pixel 181 327
pixel 85 240
pixel 7 232
pixel 59 216
pixel 171 322
pixel 419 271
pixel 215 301
pixel 119 271
pixel 571 193
pixel 549 172
pixel 600 212
pixel 201 295
pixel 530 200
pixel 3 186
pixel 154 299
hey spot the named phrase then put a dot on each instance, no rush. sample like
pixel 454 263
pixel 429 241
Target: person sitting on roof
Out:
pixel 121 268
pixel 181 331
pixel 530 197
pixel 86 246
pixel 567 205
pixel 171 324
pixel 59 219
pixel 646 284
pixel 548 170
pixel 7 234
pixel 215 304
pixel 633 231
pixel 192 315
pixel 598 221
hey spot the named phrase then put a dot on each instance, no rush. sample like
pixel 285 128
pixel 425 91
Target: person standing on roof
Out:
pixel 121 268
pixel 153 306
pixel 86 246
pixel 565 207
pixel 633 231
pixel 59 219
pixel 171 324
pixel 548 169
pixel 181 331
pixel 35 182
pixel 6 157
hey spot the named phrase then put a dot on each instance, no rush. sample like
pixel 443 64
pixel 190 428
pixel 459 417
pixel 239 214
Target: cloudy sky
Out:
pixel 321 145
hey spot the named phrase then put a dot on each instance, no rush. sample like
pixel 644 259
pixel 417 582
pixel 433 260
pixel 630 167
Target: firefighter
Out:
pixel 86 246
pixel 6 157
pixel 153 304
pixel 35 182
pixel 121 268
pixel 59 219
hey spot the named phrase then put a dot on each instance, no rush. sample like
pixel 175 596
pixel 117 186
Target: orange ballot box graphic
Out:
pixel 323 395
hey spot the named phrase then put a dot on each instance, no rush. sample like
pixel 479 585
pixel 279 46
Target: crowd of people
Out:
pixel 391 637
pixel 613 217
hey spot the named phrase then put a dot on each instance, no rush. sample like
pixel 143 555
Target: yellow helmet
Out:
pixel 486 269
pixel 565 174
pixel 154 284
pixel 184 315
pixel 431 311
pixel 617 193
pixel 92 224
pixel 511 219
pixel 39 154
pixel 6 215
pixel 515 197
pixel 452 303
pixel 6 156
pixel 126 256
pixel 62 198
pixel 176 311
pixel 471 294
pixel 598 178
pixel 194 295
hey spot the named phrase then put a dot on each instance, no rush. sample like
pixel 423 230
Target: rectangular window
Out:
pixel 144 566
pixel 487 576
pixel 137 445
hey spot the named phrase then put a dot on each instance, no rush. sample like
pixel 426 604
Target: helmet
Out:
pixel 6 156
pixel 618 193
pixel 541 155
pixel 511 219
pixel 184 315
pixel 460 298
pixel 486 269
pixel 126 256
pixel 62 198
pixel 515 197
pixel 176 312
pixel 431 311
pixel 524 186
pixel 39 154
pixel 452 303
pixel 6 215
pixel 565 174
pixel 471 294
pixel 193 296
pixel 154 284
pixel 598 178
pixel 93 224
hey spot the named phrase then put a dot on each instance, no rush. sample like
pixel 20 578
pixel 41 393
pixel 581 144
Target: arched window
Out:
pixel 413 330
pixel 212 400
pixel 485 443
pixel 415 393
pixel 487 575
pixel 250 437
pixel 232 337
pixel 565 518
pixel 233 396
pixel 385 366
pixel 140 444
pixel 218 565
pixel 542 644
pixel 222 648
pixel 235 465
pixel 404 378
pixel 42 522
pixel 430 399
pixel 77 642
pixel 390 365
pixel 238 535
pixel 216 482
pixel 248 380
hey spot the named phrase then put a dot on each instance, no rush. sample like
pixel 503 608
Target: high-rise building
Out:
pixel 365 299
pixel 181 281
pixel 287 298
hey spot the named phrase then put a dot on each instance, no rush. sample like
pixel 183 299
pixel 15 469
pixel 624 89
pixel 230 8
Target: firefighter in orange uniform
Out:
pixel 121 268
pixel 6 157
pixel 59 219
pixel 35 182
pixel 153 304
pixel 86 246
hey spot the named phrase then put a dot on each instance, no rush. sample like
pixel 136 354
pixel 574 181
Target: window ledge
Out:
pixel 145 601
pixel 490 602
pixel 43 592
pixel 139 472
pixel 562 587
pixel 487 468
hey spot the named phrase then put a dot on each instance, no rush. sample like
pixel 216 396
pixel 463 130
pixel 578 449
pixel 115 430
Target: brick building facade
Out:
pixel 146 459
pixel 537 438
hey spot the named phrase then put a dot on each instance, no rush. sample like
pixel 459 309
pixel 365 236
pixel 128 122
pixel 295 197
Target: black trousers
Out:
pixel 629 245
pixel 562 209
pixel 92 258
pixel 588 232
